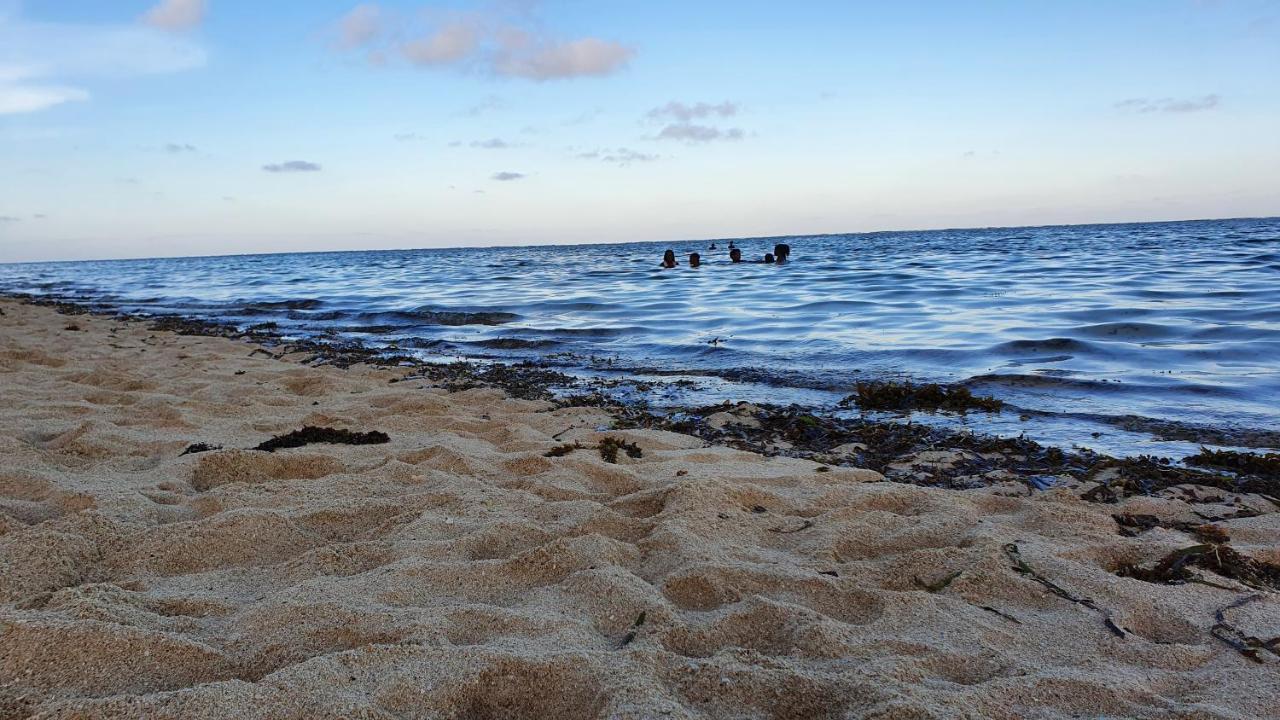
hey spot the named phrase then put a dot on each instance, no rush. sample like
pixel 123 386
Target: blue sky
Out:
pixel 148 128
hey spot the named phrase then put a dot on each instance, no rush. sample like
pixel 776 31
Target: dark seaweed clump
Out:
pixel 1224 560
pixel 311 435
pixel 610 446
pixel 1259 465
pixel 908 396
pixel 562 450
pixel 196 448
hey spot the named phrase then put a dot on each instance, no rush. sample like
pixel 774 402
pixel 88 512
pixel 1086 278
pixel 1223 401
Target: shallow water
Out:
pixel 1075 327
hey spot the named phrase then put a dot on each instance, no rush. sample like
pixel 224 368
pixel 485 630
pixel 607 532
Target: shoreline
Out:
pixel 493 557
pixel 887 446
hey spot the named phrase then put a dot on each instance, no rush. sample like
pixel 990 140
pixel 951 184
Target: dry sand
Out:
pixel 458 573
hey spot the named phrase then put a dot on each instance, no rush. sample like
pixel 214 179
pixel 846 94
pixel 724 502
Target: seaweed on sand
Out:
pixel 1245 644
pixel 1219 558
pixel 562 450
pixel 889 395
pixel 196 448
pixel 610 446
pixel 1260 465
pixel 311 435
pixel 1022 568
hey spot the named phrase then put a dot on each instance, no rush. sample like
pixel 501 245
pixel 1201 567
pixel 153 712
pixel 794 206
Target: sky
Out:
pixel 145 128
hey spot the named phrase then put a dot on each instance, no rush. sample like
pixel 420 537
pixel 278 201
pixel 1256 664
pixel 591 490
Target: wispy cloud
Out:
pixel 506 40
pixel 492 144
pixel 619 156
pixel 408 137
pixel 44 64
pixel 1170 105
pixel 175 15
pixel 681 112
pixel 292 166
pixel 360 27
pixel 508 176
pixel 179 148
pixel 681 127
pixel 9 219
pixel 488 104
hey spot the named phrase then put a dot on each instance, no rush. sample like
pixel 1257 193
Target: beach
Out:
pixel 483 556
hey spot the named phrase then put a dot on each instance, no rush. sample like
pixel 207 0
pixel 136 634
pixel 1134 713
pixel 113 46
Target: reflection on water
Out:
pixel 1169 321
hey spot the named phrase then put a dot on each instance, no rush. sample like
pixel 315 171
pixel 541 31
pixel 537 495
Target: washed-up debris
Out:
pixel 889 395
pixel 316 435
pixel 1022 568
pixel 782 531
pixel 196 448
pixel 610 446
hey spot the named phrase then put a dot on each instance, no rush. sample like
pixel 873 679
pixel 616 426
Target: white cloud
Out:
pixel 360 27
pixel 175 15
pixel 491 144
pixel 18 94
pixel 508 176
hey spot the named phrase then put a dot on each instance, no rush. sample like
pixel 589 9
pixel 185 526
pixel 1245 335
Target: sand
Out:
pixel 456 572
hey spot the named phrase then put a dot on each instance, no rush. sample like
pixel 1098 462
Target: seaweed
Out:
pixel 1022 568
pixel 939 585
pixel 610 446
pixel 635 630
pixel 1259 465
pixel 196 448
pixel 888 395
pixel 562 450
pixel 312 435
pixel 1221 559
pixel 1246 645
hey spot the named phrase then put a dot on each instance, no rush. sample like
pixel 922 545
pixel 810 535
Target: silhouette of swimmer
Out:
pixel 782 251
pixel 735 255
pixel 768 259
pixel 731 245
pixel 695 260
pixel 713 246
pixel 669 259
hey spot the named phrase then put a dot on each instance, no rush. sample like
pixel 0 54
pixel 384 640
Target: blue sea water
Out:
pixel 1093 334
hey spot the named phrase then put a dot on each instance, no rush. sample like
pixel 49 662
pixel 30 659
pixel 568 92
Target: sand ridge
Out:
pixel 458 572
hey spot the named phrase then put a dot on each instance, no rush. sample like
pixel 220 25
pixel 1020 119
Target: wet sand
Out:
pixel 457 571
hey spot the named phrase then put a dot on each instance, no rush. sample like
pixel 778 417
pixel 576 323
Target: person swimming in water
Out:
pixel 695 260
pixel 735 255
pixel 781 251
pixel 669 259
pixel 769 259
pixel 713 246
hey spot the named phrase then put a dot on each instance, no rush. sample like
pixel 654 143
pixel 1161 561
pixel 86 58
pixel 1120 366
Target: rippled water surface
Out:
pixel 1076 327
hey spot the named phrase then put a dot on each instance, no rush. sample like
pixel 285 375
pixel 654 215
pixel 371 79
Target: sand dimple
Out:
pixel 458 572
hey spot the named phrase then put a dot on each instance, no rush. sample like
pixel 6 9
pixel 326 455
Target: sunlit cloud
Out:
pixel 507 40
pixel 176 15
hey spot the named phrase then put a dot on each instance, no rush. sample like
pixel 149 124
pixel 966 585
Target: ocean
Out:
pixel 1127 339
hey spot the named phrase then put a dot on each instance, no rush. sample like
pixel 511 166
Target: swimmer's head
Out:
pixel 695 260
pixel 735 255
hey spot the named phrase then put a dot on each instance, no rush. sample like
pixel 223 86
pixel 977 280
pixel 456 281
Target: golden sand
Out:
pixel 456 572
